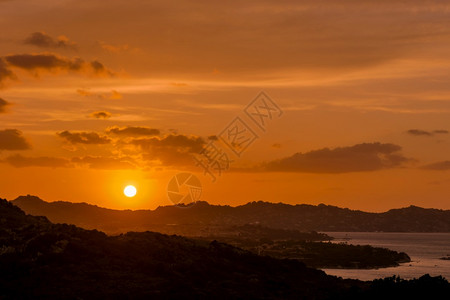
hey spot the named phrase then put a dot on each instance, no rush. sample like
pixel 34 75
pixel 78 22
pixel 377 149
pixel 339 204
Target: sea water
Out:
pixel 425 250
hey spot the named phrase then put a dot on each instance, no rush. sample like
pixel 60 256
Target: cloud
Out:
pixel 85 93
pixel 101 115
pixel 440 131
pixel 12 139
pixel 88 138
pixel 179 84
pixel 113 48
pixel 276 145
pixel 43 40
pixel 3 105
pixel 170 150
pixel 53 62
pixel 93 162
pixel 43 61
pixel 438 166
pixel 419 132
pixel 105 163
pixel 20 161
pixel 99 68
pixel 134 131
pixel 5 72
pixel 189 143
pixel 113 95
pixel 322 35
pixel 357 158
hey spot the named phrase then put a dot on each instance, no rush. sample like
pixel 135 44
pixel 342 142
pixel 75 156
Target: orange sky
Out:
pixel 94 97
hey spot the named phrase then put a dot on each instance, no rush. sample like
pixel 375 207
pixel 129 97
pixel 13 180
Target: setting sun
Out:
pixel 130 191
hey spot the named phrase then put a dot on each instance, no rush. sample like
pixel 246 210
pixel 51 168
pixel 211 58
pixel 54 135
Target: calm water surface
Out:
pixel 425 249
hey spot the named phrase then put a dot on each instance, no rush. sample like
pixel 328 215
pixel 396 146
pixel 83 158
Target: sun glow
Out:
pixel 130 191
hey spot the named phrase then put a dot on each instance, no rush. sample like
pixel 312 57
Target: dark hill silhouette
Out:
pixel 203 216
pixel 42 260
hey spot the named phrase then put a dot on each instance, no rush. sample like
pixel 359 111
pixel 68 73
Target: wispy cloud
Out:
pixel 112 95
pixel 419 132
pixel 20 161
pixel 438 166
pixel 105 163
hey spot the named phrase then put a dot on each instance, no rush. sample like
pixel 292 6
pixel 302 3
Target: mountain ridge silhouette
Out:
pixel 303 217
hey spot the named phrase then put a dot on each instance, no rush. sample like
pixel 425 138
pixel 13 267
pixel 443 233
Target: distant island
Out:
pixel 40 259
pixel 203 219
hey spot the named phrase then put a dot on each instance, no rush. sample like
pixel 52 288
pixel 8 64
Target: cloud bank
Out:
pixel 357 158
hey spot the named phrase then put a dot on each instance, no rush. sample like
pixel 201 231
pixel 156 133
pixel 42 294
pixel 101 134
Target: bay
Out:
pixel 425 250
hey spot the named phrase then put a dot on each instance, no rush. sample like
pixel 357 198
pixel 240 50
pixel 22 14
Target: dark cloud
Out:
pixel 101 115
pixel 438 166
pixel 44 61
pixel 440 131
pixel 188 143
pixel 134 131
pixel 357 158
pixel 43 40
pixel 12 139
pixel 90 138
pixel 213 138
pixel 5 72
pixel 53 62
pixel 100 69
pixel 50 62
pixel 170 150
pixel 276 145
pixel 418 132
pixel 20 161
pixel 3 105
pixel 105 163
pixel 98 66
